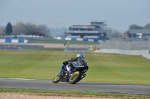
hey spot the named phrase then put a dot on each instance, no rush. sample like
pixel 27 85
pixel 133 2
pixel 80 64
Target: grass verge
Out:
pixel 44 64
pixel 75 93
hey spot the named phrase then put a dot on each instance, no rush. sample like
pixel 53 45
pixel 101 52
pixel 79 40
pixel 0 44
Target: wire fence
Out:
pixel 126 45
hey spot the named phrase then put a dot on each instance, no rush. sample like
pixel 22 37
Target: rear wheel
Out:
pixel 56 79
pixel 75 77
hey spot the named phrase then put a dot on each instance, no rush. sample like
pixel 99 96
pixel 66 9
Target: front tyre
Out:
pixel 75 78
pixel 56 79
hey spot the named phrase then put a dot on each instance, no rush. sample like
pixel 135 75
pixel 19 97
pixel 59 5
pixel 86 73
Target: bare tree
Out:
pixel 2 30
pixel 125 35
pixel 147 26
pixel 30 28
pixel 116 34
pixel 19 28
pixel 42 28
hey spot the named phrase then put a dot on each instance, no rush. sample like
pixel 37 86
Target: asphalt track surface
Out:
pixel 80 86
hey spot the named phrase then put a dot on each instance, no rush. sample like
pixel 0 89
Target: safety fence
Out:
pixel 125 45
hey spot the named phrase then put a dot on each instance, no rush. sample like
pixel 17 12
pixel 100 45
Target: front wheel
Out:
pixel 56 79
pixel 75 77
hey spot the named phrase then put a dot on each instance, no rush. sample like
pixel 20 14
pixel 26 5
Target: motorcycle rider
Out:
pixel 80 61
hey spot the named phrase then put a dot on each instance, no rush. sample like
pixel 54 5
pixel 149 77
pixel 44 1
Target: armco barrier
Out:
pixel 13 41
pixel 78 39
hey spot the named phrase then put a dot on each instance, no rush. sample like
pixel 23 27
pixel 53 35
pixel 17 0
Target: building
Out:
pixel 139 33
pixel 94 31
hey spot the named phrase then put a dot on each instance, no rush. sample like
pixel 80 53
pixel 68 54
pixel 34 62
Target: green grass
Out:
pixel 76 93
pixel 44 64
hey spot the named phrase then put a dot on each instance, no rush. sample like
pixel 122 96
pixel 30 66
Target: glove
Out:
pixel 65 62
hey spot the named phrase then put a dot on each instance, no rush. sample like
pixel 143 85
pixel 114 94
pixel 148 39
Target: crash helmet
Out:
pixel 80 55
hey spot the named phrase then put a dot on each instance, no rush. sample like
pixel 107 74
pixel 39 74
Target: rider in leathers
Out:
pixel 79 60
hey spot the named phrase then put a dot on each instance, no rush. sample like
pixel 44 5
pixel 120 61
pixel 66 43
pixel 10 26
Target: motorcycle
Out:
pixel 77 75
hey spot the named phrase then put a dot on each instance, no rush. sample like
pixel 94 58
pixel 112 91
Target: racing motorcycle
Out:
pixel 77 75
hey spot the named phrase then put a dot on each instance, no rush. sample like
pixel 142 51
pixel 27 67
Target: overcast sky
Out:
pixel 118 14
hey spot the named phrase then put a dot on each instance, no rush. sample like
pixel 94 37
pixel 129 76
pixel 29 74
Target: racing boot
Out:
pixel 66 74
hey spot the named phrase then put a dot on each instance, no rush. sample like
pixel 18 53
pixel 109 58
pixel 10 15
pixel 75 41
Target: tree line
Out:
pixel 26 29
pixel 42 30
pixel 134 26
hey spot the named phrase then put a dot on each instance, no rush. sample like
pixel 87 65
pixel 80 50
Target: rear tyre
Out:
pixel 56 79
pixel 75 78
